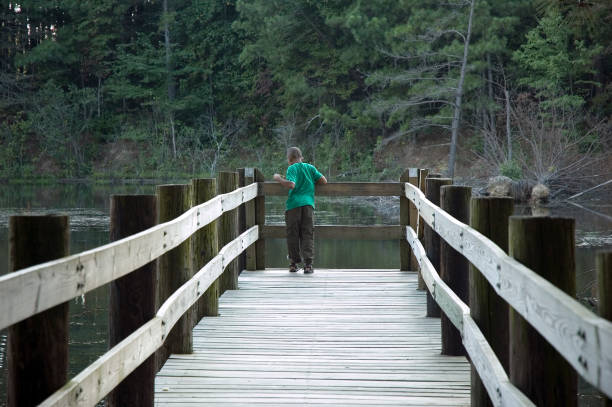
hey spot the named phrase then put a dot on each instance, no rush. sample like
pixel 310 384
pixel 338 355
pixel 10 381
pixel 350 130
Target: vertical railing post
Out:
pixel 546 246
pixel 132 297
pixel 249 209
pixel 228 230
pixel 37 349
pixel 413 178
pixel 174 269
pixel 241 219
pixel 489 216
pixel 454 268
pixel 431 238
pixel 421 176
pixel 405 251
pixel 603 265
pixel 260 220
pixel 205 246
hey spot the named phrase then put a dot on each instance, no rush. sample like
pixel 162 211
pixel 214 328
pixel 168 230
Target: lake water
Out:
pixel 88 208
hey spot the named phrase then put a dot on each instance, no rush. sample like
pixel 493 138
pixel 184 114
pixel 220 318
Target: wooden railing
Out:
pixel 580 336
pixel 584 339
pixel 38 288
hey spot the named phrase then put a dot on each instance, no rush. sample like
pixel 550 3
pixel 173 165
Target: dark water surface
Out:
pixel 88 208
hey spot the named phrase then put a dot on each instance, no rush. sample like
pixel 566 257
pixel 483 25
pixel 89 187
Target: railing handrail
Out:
pixel 37 288
pixel 383 188
pixel 581 337
pixel 102 376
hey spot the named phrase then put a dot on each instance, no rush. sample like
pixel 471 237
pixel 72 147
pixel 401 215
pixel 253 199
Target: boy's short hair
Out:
pixel 294 153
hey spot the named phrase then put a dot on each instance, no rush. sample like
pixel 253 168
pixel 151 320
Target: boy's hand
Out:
pixel 277 177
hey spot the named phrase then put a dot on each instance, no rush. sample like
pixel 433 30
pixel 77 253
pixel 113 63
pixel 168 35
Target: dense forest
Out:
pixel 105 89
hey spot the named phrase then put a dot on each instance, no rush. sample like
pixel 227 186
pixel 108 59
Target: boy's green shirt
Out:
pixel 304 176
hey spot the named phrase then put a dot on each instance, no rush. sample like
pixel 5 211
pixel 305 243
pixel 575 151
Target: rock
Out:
pixel 499 186
pixel 540 193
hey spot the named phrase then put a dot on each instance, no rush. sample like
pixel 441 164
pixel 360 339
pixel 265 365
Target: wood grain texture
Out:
pixel 98 379
pixel 249 208
pixel 205 246
pixel 431 240
pixel 342 189
pixel 545 245
pixel 228 229
pixel 40 287
pixel 413 178
pixel 454 268
pixel 603 267
pixel 404 220
pixel 345 232
pixel 496 382
pixel 583 338
pixel 174 268
pixel 489 216
pixel 260 219
pixel 132 297
pixel 295 339
pixel 37 348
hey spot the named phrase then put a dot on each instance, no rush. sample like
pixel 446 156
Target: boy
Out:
pixel 301 180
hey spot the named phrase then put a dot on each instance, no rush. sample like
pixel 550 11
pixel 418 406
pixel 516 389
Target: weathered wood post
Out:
pixel 260 219
pixel 546 246
pixel 249 208
pixel 431 238
pixel 205 246
pixel 405 252
pixel 422 175
pixel 603 264
pixel 489 216
pixel 174 269
pixel 132 297
pixel 37 349
pixel 454 268
pixel 413 178
pixel 228 230
pixel 241 219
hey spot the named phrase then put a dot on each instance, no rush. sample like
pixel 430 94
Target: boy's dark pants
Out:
pixel 300 233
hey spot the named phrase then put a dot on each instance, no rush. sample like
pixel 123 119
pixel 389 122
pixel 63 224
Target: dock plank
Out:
pixel 337 337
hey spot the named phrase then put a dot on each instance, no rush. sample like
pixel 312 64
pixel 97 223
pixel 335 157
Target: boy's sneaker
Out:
pixel 308 269
pixel 293 268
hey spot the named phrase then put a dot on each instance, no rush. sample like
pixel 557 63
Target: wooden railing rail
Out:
pixel 580 336
pixel 501 391
pixel 34 289
pixel 102 376
pixel 342 189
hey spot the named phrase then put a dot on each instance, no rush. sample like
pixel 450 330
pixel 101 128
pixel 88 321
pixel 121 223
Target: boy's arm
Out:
pixel 322 180
pixel 284 182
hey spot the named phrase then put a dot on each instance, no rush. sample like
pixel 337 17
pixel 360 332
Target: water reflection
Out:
pixel 88 208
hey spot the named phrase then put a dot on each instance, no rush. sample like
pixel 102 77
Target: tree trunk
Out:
pixel 459 95
pixel 508 133
pixel 169 75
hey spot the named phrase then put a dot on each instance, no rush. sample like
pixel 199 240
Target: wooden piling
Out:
pixel 260 219
pixel 228 230
pixel 546 246
pixel 132 297
pixel 241 219
pixel 405 252
pixel 37 348
pixel 603 265
pixel 454 268
pixel 205 246
pixel 413 178
pixel 489 216
pixel 174 269
pixel 422 175
pixel 431 238
pixel 249 209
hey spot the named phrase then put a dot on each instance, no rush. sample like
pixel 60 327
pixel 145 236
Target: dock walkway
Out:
pixel 337 337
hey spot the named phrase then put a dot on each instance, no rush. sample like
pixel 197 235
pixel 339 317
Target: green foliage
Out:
pixel 557 66
pixel 511 169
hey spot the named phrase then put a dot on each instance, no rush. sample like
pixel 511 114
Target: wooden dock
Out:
pixel 337 337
